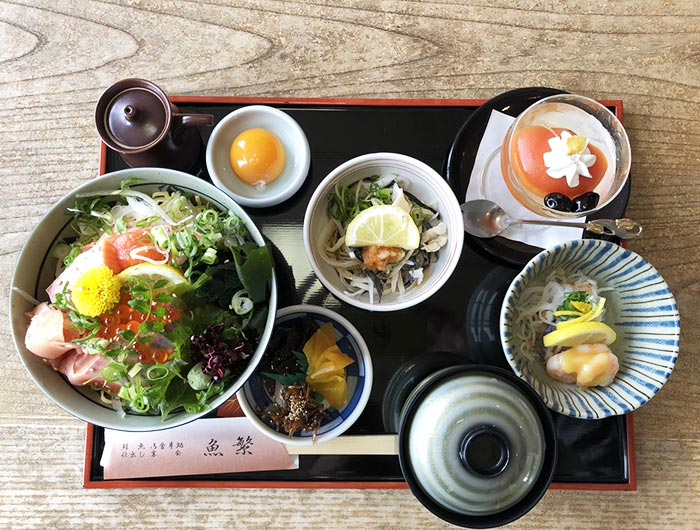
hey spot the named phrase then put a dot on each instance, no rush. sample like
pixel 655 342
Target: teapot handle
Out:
pixel 183 121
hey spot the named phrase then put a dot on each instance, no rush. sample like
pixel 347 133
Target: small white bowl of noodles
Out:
pixel 639 308
pixel 363 275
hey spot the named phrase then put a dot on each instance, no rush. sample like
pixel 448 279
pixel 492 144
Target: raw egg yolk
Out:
pixel 257 157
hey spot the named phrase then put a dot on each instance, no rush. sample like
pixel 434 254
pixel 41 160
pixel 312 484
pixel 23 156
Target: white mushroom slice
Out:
pixel 417 275
pixel 434 239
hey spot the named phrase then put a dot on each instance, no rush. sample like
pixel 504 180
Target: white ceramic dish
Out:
pixel 424 183
pixel 253 397
pixel 639 307
pixel 35 270
pixel 278 122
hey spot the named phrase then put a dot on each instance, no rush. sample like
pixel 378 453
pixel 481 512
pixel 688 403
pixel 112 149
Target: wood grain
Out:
pixel 56 58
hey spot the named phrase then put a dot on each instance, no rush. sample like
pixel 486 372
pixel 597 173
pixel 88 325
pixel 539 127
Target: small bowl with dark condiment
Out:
pixel 313 381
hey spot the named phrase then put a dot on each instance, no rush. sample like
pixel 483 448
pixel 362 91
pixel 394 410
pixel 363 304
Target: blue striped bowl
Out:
pixel 641 309
pixel 254 399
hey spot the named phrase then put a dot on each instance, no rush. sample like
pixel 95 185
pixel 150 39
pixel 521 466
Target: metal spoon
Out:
pixel 484 218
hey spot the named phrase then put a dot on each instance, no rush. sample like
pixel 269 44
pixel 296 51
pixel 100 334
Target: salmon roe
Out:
pixel 125 318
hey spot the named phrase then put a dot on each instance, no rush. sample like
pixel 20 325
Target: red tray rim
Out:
pixel 89 483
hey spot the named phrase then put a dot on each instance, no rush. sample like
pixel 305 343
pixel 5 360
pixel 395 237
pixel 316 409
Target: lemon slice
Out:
pixel 594 313
pixel 581 333
pixel 581 307
pixel 384 226
pixel 155 273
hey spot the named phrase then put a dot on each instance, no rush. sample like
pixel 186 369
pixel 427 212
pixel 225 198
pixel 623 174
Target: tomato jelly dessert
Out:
pixel 560 158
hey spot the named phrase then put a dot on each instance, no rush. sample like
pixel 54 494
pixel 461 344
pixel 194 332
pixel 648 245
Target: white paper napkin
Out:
pixel 205 446
pixel 490 185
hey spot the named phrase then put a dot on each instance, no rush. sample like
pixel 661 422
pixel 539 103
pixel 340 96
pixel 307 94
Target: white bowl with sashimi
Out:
pixel 143 300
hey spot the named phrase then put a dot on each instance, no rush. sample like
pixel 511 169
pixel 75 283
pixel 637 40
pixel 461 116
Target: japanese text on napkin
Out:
pixel 206 446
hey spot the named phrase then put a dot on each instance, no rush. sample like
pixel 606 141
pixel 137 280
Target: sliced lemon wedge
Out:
pixel 384 226
pixel 582 307
pixel 580 333
pixel 154 273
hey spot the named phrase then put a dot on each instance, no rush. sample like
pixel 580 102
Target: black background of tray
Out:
pixel 461 319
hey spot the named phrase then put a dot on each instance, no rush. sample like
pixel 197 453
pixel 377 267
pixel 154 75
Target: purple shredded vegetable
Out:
pixel 218 354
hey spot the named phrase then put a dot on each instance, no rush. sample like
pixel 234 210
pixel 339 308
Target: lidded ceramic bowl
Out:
pixel 476 445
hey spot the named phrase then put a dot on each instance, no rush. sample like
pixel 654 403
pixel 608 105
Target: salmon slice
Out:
pixel 131 248
pixel 117 252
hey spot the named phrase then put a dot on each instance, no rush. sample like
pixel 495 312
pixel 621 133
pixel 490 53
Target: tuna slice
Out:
pixel 81 368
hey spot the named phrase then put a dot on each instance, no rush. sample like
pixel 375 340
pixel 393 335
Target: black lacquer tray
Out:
pixel 459 323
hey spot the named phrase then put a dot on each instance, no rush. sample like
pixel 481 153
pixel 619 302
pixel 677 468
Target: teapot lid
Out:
pixel 135 114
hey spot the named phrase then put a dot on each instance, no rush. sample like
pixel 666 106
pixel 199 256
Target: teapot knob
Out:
pixel 130 113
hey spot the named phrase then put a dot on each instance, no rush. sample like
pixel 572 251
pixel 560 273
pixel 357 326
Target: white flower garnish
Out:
pixel 569 157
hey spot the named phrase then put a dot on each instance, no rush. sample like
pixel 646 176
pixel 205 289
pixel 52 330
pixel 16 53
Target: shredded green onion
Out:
pixel 135 370
pixel 240 303
pixel 156 373
pixel 111 373
pixel 139 404
pixel 209 256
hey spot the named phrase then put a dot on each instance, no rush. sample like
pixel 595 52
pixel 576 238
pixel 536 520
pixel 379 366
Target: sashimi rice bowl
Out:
pixel 143 300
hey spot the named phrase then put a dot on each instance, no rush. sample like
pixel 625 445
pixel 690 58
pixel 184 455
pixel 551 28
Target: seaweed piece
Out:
pixel 377 284
pixel 416 200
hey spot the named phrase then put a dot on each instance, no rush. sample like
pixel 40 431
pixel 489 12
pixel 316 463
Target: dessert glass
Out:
pixel 561 153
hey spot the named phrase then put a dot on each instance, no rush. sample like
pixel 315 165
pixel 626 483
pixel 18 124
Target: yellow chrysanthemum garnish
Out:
pixel 96 291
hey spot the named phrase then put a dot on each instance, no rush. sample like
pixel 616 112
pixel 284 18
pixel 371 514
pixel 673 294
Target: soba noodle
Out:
pixel 537 305
pixel 345 203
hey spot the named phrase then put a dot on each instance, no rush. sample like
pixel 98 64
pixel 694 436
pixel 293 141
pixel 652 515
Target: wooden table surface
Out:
pixel 58 56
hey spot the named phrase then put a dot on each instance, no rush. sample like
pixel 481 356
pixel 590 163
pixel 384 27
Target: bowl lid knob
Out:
pixel 485 451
